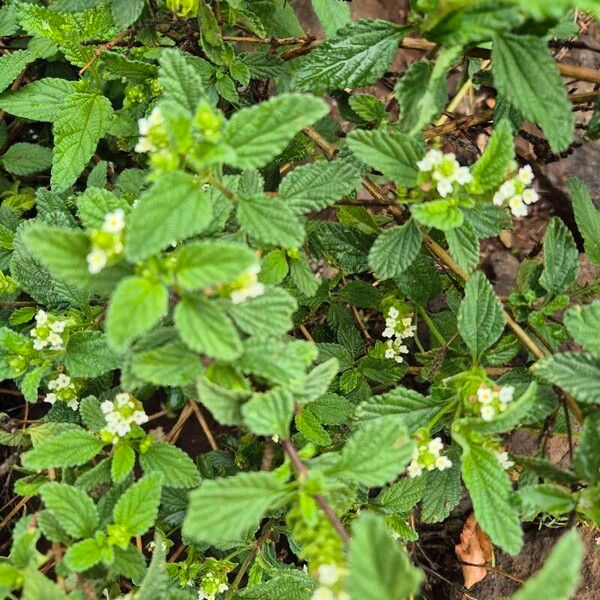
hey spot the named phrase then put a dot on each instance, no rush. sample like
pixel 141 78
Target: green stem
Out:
pixel 432 326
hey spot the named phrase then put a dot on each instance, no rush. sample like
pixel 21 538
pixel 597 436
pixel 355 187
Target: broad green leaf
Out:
pixel 480 317
pixel 464 246
pixel 82 120
pixel 546 498
pixel 87 354
pixel 224 404
pixel 180 81
pixel 125 12
pixel 38 101
pixel 173 209
pixel 317 185
pixel 316 382
pixel 242 500
pixel 356 56
pixel 270 221
pixel 368 108
pixel 583 323
pixel 36 585
pixel 559 576
pixel 333 14
pixel 11 65
pixel 561 258
pixel 68 449
pixel 586 459
pixel 135 307
pixel 95 203
pixel 443 214
pixel 290 585
pixel 259 133
pixel 73 508
pixel 23 158
pixel 204 264
pixel 123 459
pixel 522 66
pixel 205 328
pixel 137 507
pixel 395 250
pixel 83 555
pixel 390 151
pixel 490 490
pixel 443 490
pixel 577 373
pixel 177 468
pixel 489 171
pixel 308 425
pixel 587 217
pixel 274 267
pixel 400 497
pixel 270 413
pixel 380 569
pixel 376 454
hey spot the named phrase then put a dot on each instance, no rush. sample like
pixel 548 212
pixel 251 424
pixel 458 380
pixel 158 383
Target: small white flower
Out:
pixel 58 326
pixel 41 317
pixel 506 394
pixel 96 261
pixel 328 574
pixel 51 398
pixel 498 199
pixel 507 189
pixel 525 175
pixel 114 222
pixel 122 428
pixel 406 322
pixel 388 332
pixel 73 404
pixel 530 196
pixel 393 312
pixel 435 446
pixel 252 291
pixel 39 344
pixel 56 341
pixel 391 322
pixel 390 353
pixel 139 417
pixel 123 399
pixel 62 381
pixel 463 175
pixel 444 187
pixel 517 207
pixel 414 469
pixel 487 412
pixel 146 123
pixel 52 385
pixel 107 407
pixel 442 463
pixel 430 160
pixel 504 461
pixel 485 395
pixel 323 593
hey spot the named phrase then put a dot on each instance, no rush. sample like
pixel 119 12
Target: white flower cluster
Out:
pixel 329 576
pixel 399 330
pixel 106 242
pixel 146 125
pixel 120 414
pixel 445 171
pixel 427 456
pixel 516 194
pixel 246 286
pixel 47 331
pixel 63 388
pixel 491 401
pixel 204 594
pixel 504 460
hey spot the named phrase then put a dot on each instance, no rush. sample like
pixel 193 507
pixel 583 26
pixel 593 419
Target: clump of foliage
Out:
pixel 204 241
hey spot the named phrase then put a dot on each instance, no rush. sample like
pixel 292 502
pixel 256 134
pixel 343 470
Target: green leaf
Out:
pixel 73 508
pixel 11 64
pixel 24 159
pixel 173 209
pixel 270 413
pixel 171 364
pixel 490 490
pixel 95 203
pixel 522 67
pixel 259 133
pixel 380 569
pixel 137 507
pixel 577 373
pixel 204 264
pixel 224 404
pixel 82 120
pixel 464 246
pixel 87 354
pixel 559 576
pixel 270 221
pixel 546 498
pixel 180 81
pixel 38 101
pixel 368 108
pixel 480 317
pixel 376 454
pixel 356 56
pixel 317 185
pixel 316 382
pixel 177 468
pixel 36 585
pixel 443 214
pixel 126 12
pixel 583 323
pixel 390 151
pixel 443 491
pixel 561 258
pixel 135 307
pixel 242 500
pixel 156 580
pixel 489 171
pixel 68 449
pixel 587 218
pixel 402 496
pixel 308 425
pixel 586 459
pixel 205 328
pixel 395 250
pixel 83 555
pixel 123 459
pixel 332 14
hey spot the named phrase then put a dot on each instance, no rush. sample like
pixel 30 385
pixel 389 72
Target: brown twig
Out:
pixel 204 425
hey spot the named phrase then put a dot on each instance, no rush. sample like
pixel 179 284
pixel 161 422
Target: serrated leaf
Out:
pixel 316 382
pixel 489 171
pixel 317 185
pixel 68 449
pixel 523 67
pixel 367 107
pixel 586 458
pixel 23 158
pixel 443 214
pixel 243 499
pixel 224 404
pixel 181 82
pixel 400 497
pixel 270 413
pixel 587 217
pixel 443 490
pixel 91 413
pixel 177 468
pixel 205 328
pixel 137 508
pixel 463 245
pixel 308 425
pixel 546 498
pixel 38 101
pixel 583 323
pixel 577 373
pixel 82 120
pixel 332 14
pixel 83 555
pixel 356 56
pixel 95 203
pixel 559 575
pixel 480 317
pixel 561 258
pixel 123 459
pixel 395 250
pixel 155 222
pixel 73 508
pixel 125 12
pixel 380 569
pixel 390 151
pixel 156 579
pixel 11 64
pixel 87 354
pixel 259 133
